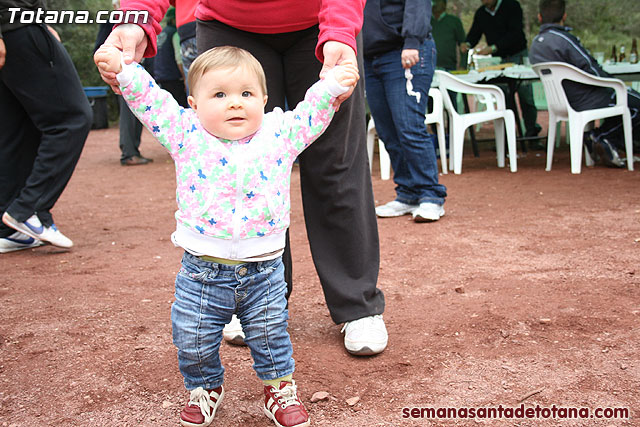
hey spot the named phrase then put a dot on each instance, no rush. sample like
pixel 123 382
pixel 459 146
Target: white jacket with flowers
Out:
pixel 232 196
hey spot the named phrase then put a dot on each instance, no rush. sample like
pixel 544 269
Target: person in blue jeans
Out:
pixel 399 63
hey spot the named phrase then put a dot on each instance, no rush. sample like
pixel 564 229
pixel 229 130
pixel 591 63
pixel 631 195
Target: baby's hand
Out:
pixel 108 59
pixel 346 74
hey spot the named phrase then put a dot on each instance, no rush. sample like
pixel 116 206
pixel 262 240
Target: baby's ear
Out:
pixel 192 102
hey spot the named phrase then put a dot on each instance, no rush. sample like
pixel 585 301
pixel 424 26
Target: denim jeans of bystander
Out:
pixel 399 119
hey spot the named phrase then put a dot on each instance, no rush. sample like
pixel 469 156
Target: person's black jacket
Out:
pixel 504 29
pixel 555 43
pixel 5 15
pixel 395 24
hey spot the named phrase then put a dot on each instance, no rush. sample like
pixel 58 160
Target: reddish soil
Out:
pixel 528 290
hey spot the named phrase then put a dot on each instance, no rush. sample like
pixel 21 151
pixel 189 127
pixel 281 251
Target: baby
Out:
pixel 233 165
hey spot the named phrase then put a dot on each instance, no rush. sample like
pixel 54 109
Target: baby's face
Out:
pixel 229 102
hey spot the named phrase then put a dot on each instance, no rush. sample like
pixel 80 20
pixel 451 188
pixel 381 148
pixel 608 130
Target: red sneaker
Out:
pixel 283 407
pixel 202 406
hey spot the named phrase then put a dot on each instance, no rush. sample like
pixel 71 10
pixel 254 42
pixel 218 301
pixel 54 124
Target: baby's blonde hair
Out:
pixel 223 57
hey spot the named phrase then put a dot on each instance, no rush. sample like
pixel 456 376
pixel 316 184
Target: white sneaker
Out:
pixel 394 208
pixel 33 227
pixel 428 212
pixel 18 241
pixel 232 332
pixel 366 336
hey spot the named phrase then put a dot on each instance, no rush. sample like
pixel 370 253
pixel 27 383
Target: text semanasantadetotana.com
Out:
pixel 518 412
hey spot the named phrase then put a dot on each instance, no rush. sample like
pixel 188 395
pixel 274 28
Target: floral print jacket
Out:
pixel 232 196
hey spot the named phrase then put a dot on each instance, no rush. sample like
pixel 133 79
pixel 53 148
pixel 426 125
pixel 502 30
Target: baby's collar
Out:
pixel 244 140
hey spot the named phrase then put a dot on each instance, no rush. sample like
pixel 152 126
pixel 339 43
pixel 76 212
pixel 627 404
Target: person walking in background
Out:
pixel 501 23
pixel 555 43
pixel 46 118
pixel 288 37
pixel 129 126
pixel 399 63
pixel 233 167
pixel 131 130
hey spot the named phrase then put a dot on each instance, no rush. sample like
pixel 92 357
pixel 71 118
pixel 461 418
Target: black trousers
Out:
pixel 337 195
pixel 130 131
pixel 45 119
pixel 611 128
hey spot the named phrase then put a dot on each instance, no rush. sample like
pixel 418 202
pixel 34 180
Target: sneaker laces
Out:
pixel 201 398
pixel 361 323
pixel 287 395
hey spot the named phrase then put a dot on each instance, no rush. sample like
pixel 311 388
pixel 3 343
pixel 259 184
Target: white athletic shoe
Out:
pixel 428 212
pixel 394 208
pixel 232 332
pixel 17 241
pixel 33 227
pixel 365 336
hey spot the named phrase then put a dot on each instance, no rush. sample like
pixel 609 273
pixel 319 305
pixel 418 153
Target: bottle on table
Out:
pixel 633 55
pixel 614 55
pixel 623 56
pixel 470 63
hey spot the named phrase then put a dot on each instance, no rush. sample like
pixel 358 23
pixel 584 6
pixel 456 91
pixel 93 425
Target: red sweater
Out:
pixel 340 20
pixel 185 11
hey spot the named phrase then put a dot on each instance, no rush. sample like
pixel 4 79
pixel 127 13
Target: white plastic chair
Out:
pixel 493 97
pixel 385 160
pixel 435 117
pixel 551 75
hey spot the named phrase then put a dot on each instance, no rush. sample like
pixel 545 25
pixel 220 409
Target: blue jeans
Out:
pixel 207 295
pixel 400 124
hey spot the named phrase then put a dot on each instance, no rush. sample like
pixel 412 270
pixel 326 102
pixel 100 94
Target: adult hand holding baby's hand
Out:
pixel 132 41
pixel 337 53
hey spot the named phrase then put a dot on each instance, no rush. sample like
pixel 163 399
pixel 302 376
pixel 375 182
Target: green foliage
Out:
pixel 79 39
pixel 607 23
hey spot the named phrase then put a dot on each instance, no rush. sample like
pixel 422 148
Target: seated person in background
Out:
pixel 233 172
pixel 556 44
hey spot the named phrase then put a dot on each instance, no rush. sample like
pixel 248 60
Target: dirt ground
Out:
pixel 527 291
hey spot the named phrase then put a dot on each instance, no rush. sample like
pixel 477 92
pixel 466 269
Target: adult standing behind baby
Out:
pixel 288 37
